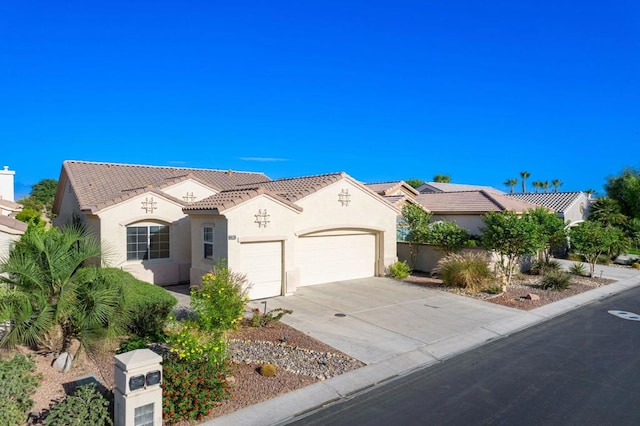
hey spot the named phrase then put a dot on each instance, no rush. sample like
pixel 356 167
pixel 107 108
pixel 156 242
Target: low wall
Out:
pixel 426 257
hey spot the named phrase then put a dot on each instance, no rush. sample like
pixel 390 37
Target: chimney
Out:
pixel 229 172
pixel 6 183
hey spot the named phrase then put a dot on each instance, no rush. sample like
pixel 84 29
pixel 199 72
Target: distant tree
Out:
pixel 31 217
pixel 589 192
pixel 448 236
pixel 556 184
pixel 537 185
pixel 545 186
pixel 524 176
pixel 442 178
pixel 29 202
pixel 591 240
pixel 45 192
pixel 511 237
pixel 625 189
pixel 414 183
pixel 607 212
pixel 511 183
pixel 416 221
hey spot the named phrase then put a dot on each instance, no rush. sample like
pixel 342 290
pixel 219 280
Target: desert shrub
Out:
pixel 187 341
pixel 542 267
pixel 578 269
pixel 574 257
pixel 17 384
pixel 635 265
pixel 137 342
pixel 267 370
pixel 496 289
pixel 467 270
pixel 86 406
pixel 603 259
pixel 399 270
pixel 149 305
pixel 191 387
pixel 263 320
pixel 555 280
pixel 219 303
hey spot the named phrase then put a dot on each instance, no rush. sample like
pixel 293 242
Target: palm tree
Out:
pixel 442 178
pixel 511 183
pixel 54 296
pixel 524 176
pixel 545 186
pixel 537 185
pixel 556 184
pixel 608 212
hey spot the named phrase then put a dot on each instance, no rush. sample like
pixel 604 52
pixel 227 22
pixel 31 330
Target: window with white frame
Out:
pixel 207 239
pixel 146 242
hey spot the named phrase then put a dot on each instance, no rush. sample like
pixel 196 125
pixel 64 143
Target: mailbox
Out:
pixel 137 394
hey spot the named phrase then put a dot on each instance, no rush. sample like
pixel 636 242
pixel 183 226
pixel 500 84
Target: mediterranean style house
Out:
pixel 571 207
pixel 10 229
pixel 169 225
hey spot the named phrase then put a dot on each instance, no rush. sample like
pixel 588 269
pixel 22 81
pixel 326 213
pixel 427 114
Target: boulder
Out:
pixel 63 362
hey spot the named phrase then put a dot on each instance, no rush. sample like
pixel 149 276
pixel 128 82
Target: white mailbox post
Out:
pixel 137 395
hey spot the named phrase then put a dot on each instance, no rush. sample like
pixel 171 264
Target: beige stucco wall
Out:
pixel 426 257
pixel 113 222
pixel 68 207
pixel 574 213
pixel 473 224
pixel 322 213
pixel 7 238
pixel 180 190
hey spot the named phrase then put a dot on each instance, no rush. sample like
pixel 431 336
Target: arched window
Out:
pixel 147 241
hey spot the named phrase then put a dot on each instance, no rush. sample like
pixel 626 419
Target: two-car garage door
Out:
pixel 319 259
pixel 328 258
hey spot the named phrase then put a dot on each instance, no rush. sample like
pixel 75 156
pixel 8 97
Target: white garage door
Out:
pixel 335 258
pixel 262 263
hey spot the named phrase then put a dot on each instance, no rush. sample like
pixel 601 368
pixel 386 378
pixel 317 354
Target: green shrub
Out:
pixel 493 289
pixel 555 280
pixel 578 269
pixel 86 406
pixel 263 320
pixel 191 387
pixel 149 305
pixel 467 270
pixel 399 270
pixel 137 342
pixel 187 341
pixel 219 303
pixel 17 384
pixel 542 267
pixel 603 259
pixel 574 257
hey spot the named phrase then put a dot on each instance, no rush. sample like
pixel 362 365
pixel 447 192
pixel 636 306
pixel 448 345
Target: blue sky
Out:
pixel 381 90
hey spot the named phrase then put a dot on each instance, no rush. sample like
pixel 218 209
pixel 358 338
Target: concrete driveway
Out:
pixel 373 319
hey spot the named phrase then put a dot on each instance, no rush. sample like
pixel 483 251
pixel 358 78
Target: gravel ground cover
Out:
pixel 300 359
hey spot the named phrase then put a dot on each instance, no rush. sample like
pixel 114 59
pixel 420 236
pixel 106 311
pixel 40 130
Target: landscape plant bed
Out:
pixel 521 286
pixel 247 387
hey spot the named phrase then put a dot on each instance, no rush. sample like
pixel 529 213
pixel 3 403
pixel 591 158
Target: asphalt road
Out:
pixel 582 368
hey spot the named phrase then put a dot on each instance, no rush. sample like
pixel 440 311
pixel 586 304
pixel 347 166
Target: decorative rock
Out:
pixel 63 362
pixel 531 296
pixel 74 346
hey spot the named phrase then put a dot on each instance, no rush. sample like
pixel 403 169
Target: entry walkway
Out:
pixel 396 328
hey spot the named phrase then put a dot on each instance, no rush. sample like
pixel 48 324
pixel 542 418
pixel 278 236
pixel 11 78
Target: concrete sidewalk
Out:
pixel 396 328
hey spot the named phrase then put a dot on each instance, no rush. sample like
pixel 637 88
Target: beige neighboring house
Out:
pixel 466 208
pixel 168 225
pixel 8 206
pixel 571 207
pixel 290 233
pixel 10 231
pixel 431 187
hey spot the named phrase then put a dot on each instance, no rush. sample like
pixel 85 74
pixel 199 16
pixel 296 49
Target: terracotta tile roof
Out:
pixel 471 202
pixel 13 224
pixel 294 189
pixel 386 188
pixel 225 200
pixel 430 187
pixel 558 201
pixel 99 185
pixel 10 205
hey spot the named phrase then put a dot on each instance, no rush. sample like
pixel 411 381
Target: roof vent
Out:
pixel 229 172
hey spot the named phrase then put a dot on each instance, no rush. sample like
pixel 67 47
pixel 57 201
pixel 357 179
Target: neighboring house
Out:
pixel 167 225
pixel 8 206
pixel 10 231
pixel 466 208
pixel 571 207
pixel 294 232
pixel 431 187
pixel 396 193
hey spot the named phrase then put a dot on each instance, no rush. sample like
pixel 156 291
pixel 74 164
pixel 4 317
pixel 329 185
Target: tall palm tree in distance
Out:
pixel 537 185
pixel 545 186
pixel 524 176
pixel 511 183
pixel 556 184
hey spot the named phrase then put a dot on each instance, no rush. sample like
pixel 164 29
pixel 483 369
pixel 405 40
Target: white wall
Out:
pixel 6 183
pixel 473 224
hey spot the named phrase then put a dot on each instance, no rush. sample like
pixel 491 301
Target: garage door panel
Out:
pixel 262 264
pixel 335 258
